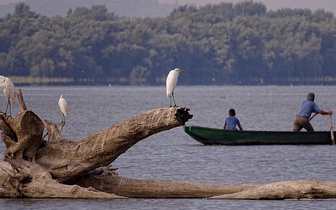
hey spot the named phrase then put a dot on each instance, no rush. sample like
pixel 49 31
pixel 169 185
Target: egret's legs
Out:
pixel 63 118
pixel 173 99
pixel 10 108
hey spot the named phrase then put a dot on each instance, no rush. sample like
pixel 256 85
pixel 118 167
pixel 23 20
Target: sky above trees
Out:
pixel 328 5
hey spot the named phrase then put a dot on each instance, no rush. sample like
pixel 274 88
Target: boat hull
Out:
pixel 214 136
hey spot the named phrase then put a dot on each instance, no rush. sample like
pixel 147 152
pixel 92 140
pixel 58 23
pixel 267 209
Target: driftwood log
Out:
pixel 60 168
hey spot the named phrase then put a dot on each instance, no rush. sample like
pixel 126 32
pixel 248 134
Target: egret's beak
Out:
pixel 180 70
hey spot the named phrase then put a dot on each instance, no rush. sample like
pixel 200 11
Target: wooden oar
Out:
pixel 332 132
pixel 312 116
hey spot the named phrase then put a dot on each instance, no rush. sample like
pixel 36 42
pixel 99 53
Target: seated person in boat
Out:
pixel 306 108
pixel 231 122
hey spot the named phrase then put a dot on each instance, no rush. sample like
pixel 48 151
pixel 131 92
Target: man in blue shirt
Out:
pixel 231 122
pixel 305 110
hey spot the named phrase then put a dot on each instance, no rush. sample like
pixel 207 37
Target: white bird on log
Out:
pixel 171 84
pixel 9 90
pixel 63 107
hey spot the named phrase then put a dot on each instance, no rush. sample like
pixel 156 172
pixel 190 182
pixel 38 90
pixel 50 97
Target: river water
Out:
pixel 173 155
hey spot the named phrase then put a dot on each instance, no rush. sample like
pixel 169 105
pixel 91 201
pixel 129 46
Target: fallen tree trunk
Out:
pixel 107 180
pixel 21 178
pixel 66 159
pixel 34 167
pixel 299 189
pixel 60 168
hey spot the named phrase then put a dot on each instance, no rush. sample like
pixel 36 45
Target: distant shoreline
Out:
pixel 48 81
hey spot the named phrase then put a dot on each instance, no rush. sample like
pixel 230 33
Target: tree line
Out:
pixel 126 8
pixel 220 44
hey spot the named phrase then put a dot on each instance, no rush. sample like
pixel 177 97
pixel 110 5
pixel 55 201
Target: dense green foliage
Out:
pixel 216 44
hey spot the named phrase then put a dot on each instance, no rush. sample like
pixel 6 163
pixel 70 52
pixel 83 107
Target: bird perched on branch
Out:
pixel 63 107
pixel 171 84
pixel 9 90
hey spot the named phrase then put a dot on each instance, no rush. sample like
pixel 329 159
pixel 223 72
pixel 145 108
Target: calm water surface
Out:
pixel 173 155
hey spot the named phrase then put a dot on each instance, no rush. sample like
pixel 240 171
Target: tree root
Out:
pixel 28 179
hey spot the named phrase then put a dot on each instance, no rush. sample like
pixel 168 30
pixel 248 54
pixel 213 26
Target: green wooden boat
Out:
pixel 214 136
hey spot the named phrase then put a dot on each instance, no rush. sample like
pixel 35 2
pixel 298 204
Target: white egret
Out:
pixel 63 107
pixel 171 83
pixel 9 90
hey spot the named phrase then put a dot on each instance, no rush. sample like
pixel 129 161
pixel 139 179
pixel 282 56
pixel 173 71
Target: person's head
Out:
pixel 232 112
pixel 311 96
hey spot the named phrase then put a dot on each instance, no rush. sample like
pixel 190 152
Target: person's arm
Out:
pixel 224 126
pixel 320 111
pixel 325 113
pixel 240 127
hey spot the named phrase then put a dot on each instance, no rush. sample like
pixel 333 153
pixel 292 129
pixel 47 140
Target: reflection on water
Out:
pixel 173 155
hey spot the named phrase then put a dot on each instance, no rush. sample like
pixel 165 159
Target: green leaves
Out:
pixel 227 43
